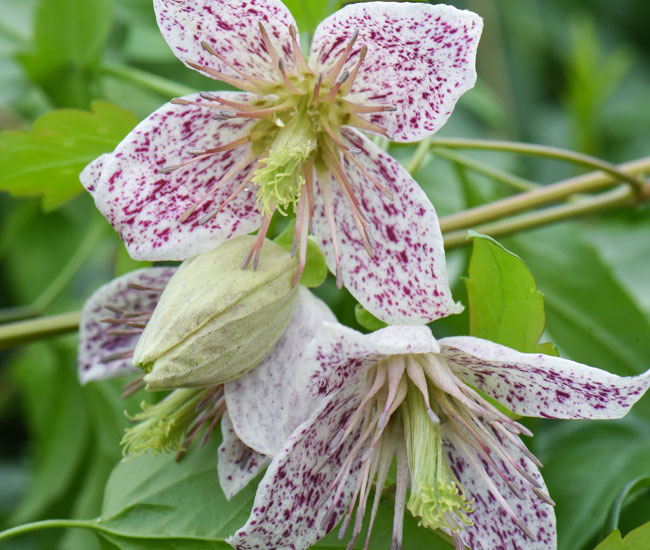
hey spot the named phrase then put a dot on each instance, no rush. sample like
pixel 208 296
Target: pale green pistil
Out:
pixel 436 495
pixel 279 177
pixel 160 427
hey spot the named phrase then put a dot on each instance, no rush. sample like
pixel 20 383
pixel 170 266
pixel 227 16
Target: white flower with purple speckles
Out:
pixel 461 467
pixel 112 321
pixel 210 166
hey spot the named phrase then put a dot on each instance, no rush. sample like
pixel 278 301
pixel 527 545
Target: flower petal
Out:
pixel 420 59
pixel 493 528
pixel 91 175
pixel 96 343
pixel 533 384
pixel 238 463
pixel 145 206
pixel 342 353
pixel 268 402
pixel 405 282
pixel 231 28
pixel 293 505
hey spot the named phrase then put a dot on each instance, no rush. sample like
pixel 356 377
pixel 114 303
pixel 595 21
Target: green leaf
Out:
pixel 591 315
pixel 366 319
pixel 628 494
pixel 315 267
pixel 505 305
pixel 47 160
pixel 586 465
pixel 54 407
pixel 157 498
pixel 69 37
pixel 639 539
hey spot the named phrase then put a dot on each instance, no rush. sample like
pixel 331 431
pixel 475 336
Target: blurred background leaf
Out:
pixel 47 160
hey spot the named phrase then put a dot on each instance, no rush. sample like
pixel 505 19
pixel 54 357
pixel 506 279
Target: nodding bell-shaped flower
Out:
pixel 267 391
pixel 209 166
pixel 215 321
pixel 399 395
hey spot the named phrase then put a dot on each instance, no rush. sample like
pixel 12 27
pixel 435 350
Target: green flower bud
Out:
pixel 216 321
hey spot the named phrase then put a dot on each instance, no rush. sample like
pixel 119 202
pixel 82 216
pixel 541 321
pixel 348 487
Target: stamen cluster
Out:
pixel 411 405
pixel 296 135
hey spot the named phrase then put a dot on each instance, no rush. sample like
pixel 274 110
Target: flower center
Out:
pixel 295 143
pixel 411 404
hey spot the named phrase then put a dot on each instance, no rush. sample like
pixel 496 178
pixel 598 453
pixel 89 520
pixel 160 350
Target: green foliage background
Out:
pixel 573 73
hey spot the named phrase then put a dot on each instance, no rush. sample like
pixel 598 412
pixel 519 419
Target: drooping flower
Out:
pixel 461 467
pixel 112 322
pixel 210 166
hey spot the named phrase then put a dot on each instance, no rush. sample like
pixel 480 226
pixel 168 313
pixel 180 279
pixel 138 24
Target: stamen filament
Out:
pixel 290 86
pixel 334 72
pixel 275 58
pixel 231 197
pixel 358 122
pixel 297 52
pixel 317 86
pixel 329 212
pixel 384 190
pixel 259 82
pixel 353 74
pixel 236 169
pixel 233 81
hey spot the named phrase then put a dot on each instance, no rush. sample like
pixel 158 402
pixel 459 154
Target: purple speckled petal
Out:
pixel 539 385
pixel 342 353
pixel 406 280
pixel 493 529
pixel 145 206
pixel 293 501
pixel 231 27
pixel 91 174
pixel 95 342
pixel 420 59
pixel 238 463
pixel 268 402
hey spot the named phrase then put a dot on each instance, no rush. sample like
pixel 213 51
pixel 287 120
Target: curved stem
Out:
pixel 148 81
pixel 46 524
pixel 621 196
pixel 542 151
pixel 538 197
pixel 70 269
pixel 14 334
pixel 521 184
pixel 418 156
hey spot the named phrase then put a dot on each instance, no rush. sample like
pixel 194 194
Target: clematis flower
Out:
pixel 112 321
pixel 209 166
pixel 461 467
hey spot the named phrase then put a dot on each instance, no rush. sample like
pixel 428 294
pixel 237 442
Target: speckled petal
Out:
pixel 291 506
pixel 95 342
pixel 91 174
pixel 420 59
pixel 493 529
pixel 238 463
pixel 406 280
pixel 342 353
pixel 268 402
pixel 539 385
pixel 145 206
pixel 231 27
